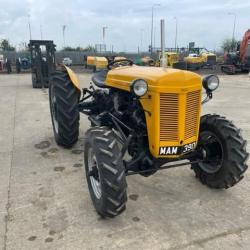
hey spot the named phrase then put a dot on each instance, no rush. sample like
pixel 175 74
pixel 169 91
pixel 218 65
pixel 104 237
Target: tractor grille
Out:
pixel 169 114
pixel 192 114
pixel 170 111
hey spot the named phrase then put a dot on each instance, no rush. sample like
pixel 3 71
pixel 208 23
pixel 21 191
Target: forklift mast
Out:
pixel 42 62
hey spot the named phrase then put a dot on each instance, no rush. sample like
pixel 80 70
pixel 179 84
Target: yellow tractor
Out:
pixel 96 63
pixel 204 59
pixel 171 57
pixel 153 116
pixel 194 61
pixel 209 59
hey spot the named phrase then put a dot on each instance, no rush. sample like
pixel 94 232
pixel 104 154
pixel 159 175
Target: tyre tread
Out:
pixel 232 171
pixel 114 188
pixel 68 115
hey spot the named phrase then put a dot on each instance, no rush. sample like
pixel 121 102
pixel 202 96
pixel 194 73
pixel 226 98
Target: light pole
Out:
pixel 154 36
pixel 176 33
pixel 152 24
pixel 29 26
pixel 41 32
pixel 142 30
pixel 163 58
pixel 63 33
pixel 233 14
pixel 103 35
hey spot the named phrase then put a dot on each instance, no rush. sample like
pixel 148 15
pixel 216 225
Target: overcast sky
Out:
pixel 205 22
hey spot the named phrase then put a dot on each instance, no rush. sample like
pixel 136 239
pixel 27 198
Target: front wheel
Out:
pixel 105 172
pixel 224 153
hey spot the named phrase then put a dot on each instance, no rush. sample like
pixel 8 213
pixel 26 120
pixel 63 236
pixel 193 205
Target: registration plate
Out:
pixel 177 150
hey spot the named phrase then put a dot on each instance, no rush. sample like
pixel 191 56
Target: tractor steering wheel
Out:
pixel 121 62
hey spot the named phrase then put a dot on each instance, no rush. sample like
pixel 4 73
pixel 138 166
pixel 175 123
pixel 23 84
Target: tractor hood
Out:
pixel 157 78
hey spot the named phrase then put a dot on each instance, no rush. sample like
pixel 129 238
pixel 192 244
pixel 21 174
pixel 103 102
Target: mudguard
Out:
pixel 73 77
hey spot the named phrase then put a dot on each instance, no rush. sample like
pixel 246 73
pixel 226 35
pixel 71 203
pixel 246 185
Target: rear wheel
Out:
pixel 64 98
pixel 224 153
pixel 105 172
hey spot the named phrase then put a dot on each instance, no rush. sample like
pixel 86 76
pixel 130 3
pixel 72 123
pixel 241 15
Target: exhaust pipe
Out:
pixel 163 58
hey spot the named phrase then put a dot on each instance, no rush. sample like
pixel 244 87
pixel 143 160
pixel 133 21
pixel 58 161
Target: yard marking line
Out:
pixel 10 175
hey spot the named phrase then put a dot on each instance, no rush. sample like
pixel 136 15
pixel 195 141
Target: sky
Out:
pixel 128 22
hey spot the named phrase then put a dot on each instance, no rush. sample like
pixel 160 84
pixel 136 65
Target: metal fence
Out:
pixel 76 56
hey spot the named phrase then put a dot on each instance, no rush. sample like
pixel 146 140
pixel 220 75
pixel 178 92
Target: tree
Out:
pixel 89 48
pixel 229 44
pixel 68 48
pixel 6 46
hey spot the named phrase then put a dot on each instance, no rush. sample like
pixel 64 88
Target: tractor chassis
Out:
pixel 132 166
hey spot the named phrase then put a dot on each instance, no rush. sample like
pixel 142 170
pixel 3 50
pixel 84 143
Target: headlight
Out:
pixel 210 83
pixel 139 87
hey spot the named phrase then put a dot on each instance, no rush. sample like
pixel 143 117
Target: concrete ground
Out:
pixel 45 204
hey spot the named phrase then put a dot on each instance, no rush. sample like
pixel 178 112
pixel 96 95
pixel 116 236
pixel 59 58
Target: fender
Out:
pixel 73 77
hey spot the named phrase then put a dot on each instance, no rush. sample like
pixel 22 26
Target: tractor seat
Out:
pixel 99 78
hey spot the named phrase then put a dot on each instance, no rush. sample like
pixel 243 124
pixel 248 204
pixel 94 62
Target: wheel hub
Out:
pixel 54 110
pixel 212 152
pixel 93 172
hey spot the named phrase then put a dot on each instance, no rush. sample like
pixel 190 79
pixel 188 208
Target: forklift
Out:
pixel 43 62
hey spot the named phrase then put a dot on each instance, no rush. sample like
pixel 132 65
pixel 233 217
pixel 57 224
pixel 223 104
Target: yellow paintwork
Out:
pixel 205 55
pixel 171 57
pixel 97 61
pixel 198 61
pixel 159 80
pixel 101 62
pixel 191 59
pixel 91 60
pixel 73 77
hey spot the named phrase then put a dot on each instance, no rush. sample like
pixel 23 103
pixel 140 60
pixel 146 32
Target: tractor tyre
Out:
pixel 64 98
pixel 224 152
pixel 105 172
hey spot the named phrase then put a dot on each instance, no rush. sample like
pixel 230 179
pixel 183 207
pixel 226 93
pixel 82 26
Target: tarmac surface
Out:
pixel 44 199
